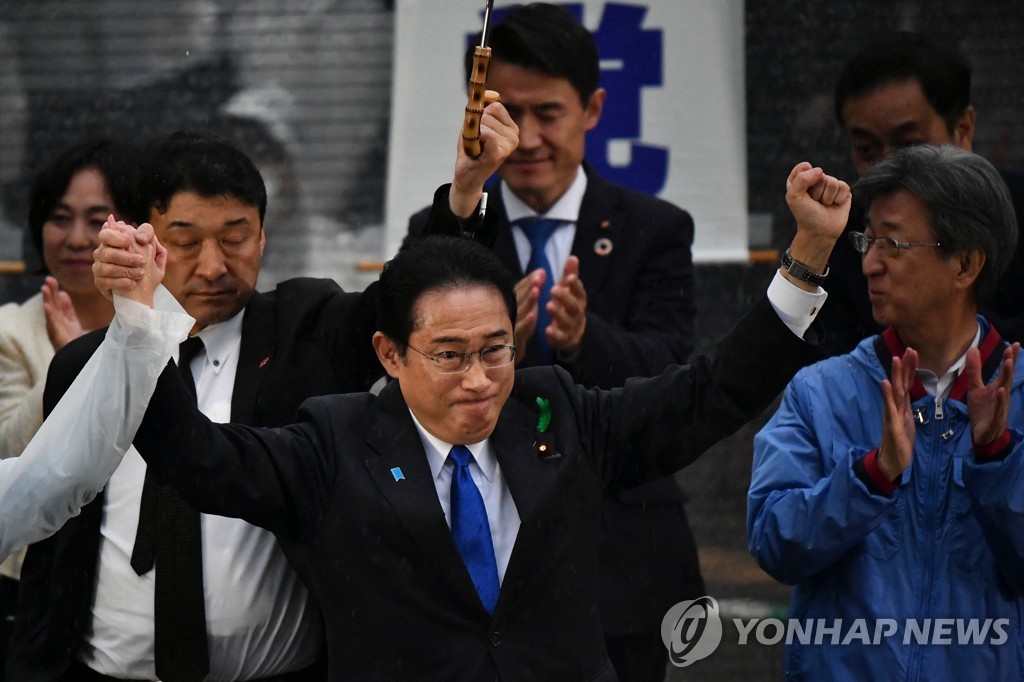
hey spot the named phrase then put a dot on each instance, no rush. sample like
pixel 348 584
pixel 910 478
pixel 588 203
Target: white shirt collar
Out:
pixel 221 340
pixel 437 452
pixel 939 386
pixel 567 207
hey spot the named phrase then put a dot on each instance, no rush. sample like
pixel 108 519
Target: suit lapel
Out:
pixel 532 483
pixel 255 353
pixel 598 219
pixel 414 498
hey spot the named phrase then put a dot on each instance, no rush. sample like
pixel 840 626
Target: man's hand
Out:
pixel 527 295
pixel 147 245
pixel 114 265
pixel 820 204
pixel 140 245
pixel 62 325
pixel 499 137
pixel 898 430
pixel 988 406
pixel 568 310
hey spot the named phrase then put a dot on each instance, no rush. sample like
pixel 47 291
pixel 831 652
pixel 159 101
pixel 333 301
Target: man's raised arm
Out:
pixel 82 441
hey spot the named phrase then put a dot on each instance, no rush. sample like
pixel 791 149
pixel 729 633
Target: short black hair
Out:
pixel 117 162
pixel 944 74
pixel 545 38
pixel 205 164
pixel 433 263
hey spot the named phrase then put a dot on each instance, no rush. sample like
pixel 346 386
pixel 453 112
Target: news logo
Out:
pixel 691 630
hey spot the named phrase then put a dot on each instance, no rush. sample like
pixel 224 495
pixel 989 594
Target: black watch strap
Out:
pixel 801 271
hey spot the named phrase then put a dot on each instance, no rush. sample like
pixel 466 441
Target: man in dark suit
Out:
pixel 88 606
pixel 897 92
pixel 631 313
pixel 449 527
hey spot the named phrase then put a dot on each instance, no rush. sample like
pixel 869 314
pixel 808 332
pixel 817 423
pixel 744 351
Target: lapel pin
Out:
pixel 264 361
pixel 606 224
pixel 544 443
pixel 397 473
pixel 603 246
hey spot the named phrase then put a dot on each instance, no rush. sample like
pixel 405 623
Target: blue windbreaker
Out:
pixel 927 582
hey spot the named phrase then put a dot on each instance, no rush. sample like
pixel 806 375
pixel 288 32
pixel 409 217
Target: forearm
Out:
pixel 82 441
pixel 442 220
pixel 659 425
pixel 796 530
pixel 271 478
pixel 807 505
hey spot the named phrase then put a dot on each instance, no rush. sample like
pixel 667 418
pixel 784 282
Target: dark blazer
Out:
pixel 640 304
pixel 376 552
pixel 305 338
pixel 640 319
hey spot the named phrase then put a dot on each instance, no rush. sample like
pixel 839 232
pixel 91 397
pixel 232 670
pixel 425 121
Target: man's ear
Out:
pixel 971 264
pixel 963 131
pixel 387 353
pixel 595 105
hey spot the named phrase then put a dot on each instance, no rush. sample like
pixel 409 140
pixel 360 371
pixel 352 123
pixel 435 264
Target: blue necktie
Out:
pixel 538 231
pixel 470 529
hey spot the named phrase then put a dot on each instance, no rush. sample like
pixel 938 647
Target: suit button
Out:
pixel 495 639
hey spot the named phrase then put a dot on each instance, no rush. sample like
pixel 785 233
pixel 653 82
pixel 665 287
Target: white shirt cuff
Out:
pixel 794 306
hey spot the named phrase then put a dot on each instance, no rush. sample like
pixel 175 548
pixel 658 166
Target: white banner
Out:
pixel 674 123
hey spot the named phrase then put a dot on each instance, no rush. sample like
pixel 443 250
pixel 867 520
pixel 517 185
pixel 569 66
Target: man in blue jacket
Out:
pixel 887 486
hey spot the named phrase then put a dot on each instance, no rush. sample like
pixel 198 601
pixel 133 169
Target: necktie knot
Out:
pixel 188 350
pixel 538 230
pixel 460 455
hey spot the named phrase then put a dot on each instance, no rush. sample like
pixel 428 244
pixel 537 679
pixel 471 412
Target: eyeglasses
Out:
pixel 887 246
pixel 454 362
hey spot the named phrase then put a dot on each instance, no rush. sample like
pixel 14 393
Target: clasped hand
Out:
pixel 129 260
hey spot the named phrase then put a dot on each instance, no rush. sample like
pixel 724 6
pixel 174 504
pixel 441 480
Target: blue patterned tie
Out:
pixel 470 529
pixel 538 231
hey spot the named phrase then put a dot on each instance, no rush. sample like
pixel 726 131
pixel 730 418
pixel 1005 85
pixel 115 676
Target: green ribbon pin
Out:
pixel 544 420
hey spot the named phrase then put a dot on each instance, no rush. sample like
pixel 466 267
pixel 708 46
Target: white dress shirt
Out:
pixel 502 515
pixel 77 448
pixel 259 617
pixel 567 209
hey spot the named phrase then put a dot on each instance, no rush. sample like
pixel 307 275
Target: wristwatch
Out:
pixel 801 271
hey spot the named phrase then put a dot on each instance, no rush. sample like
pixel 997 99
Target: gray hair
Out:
pixel 968 200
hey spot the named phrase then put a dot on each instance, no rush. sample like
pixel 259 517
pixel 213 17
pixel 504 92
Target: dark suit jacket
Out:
pixel 306 338
pixel 640 313
pixel 376 552
pixel 640 304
